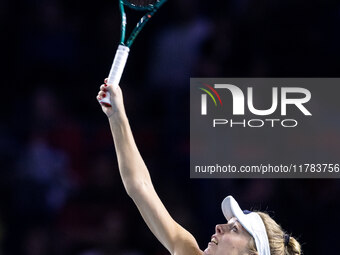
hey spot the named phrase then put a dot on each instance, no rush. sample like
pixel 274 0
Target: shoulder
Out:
pixel 186 244
pixel 189 252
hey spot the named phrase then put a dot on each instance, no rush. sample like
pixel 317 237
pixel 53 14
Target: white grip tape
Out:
pixel 116 71
pixel 118 65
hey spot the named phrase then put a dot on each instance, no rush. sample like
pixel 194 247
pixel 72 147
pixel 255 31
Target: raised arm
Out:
pixel 138 184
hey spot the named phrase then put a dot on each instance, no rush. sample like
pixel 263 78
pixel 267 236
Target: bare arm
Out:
pixel 138 184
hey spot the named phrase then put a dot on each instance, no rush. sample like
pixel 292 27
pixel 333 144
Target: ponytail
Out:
pixel 293 247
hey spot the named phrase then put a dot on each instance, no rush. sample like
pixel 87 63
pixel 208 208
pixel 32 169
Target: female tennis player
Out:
pixel 253 233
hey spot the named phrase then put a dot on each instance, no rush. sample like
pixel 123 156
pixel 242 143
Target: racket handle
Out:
pixel 116 71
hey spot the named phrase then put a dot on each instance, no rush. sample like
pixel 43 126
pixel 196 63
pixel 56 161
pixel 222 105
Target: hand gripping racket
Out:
pixel 122 53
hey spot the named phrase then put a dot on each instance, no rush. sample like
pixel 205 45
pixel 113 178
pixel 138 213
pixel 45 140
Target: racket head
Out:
pixel 143 5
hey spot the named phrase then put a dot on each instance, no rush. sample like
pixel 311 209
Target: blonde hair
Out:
pixel 276 239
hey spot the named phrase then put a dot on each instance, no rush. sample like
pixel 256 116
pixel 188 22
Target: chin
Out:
pixel 208 251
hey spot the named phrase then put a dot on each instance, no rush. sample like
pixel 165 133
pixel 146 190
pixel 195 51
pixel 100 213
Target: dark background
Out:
pixel 60 191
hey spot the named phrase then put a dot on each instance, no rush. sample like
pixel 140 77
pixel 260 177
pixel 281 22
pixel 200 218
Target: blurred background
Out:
pixel 60 191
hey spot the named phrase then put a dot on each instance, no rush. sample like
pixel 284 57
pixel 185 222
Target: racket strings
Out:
pixel 142 3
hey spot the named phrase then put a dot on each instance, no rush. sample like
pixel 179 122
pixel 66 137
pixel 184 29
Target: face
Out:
pixel 229 239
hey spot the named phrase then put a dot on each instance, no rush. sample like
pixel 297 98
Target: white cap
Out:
pixel 251 221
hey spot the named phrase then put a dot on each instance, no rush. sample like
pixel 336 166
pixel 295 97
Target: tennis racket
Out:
pixel 149 7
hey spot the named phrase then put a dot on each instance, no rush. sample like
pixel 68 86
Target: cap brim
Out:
pixel 252 222
pixel 230 209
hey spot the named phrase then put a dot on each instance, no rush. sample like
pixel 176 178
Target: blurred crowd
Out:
pixel 60 190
